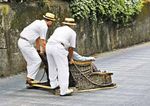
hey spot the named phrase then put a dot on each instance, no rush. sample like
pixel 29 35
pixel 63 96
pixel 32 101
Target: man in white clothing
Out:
pixel 62 41
pixel 34 33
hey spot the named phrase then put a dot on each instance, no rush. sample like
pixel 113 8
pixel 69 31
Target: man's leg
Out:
pixel 63 70
pixel 52 68
pixel 32 58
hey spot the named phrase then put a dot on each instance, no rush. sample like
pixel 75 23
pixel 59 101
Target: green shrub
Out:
pixel 117 11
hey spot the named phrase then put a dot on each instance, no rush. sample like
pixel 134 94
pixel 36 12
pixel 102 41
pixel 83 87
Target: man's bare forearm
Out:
pixel 38 44
pixel 43 45
pixel 70 49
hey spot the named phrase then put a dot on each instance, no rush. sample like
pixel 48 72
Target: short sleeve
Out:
pixel 73 39
pixel 44 29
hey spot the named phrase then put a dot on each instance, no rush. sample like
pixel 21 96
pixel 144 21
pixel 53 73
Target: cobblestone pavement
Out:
pixel 131 68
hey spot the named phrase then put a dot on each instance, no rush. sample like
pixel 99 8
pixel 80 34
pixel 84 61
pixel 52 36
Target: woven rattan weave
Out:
pixel 86 78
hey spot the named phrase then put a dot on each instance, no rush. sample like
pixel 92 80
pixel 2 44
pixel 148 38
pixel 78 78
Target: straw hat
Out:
pixel 49 16
pixel 69 21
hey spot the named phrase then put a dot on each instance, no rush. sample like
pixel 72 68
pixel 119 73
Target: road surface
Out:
pixel 131 68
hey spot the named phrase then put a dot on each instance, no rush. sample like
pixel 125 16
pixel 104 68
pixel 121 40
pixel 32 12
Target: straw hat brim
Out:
pixel 67 23
pixel 52 19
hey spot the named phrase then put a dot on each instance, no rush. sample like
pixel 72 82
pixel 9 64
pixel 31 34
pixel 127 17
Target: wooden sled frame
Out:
pixel 77 88
pixel 56 91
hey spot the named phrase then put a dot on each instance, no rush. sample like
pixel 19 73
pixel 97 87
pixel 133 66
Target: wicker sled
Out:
pixel 83 76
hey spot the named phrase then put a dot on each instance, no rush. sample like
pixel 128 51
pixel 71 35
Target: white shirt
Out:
pixel 78 57
pixel 36 29
pixel 65 35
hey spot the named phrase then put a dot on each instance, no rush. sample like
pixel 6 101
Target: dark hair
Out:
pixel 47 19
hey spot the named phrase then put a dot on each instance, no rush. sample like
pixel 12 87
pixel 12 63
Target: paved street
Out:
pixel 131 68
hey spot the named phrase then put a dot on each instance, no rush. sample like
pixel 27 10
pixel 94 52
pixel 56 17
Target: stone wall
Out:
pixel 13 18
pixel 92 37
pixel 101 37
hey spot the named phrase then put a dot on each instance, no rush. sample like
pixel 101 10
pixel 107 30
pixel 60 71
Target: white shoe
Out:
pixel 68 93
pixel 54 88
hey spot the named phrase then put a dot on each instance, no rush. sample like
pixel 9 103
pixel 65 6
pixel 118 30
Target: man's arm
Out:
pixel 38 44
pixel 70 49
pixel 42 45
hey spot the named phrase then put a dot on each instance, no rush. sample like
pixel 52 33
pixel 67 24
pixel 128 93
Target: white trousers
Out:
pixel 58 66
pixel 31 56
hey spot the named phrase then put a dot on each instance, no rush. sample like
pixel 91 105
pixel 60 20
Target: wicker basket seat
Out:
pixel 85 78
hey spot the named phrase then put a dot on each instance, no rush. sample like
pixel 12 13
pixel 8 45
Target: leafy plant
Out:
pixel 83 9
pixel 117 11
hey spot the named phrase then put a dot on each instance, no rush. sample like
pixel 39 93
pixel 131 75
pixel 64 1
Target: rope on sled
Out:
pixel 101 85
